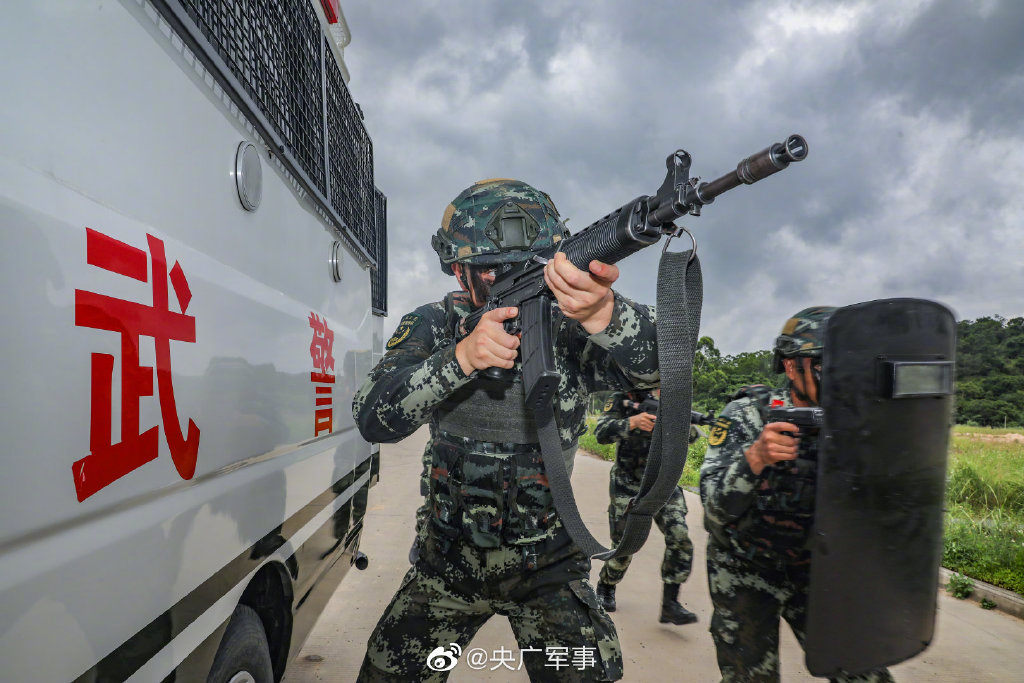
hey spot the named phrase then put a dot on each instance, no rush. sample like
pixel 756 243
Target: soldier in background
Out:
pixel 631 430
pixel 759 509
pixel 491 541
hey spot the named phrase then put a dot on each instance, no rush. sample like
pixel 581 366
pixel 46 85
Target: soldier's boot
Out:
pixel 606 596
pixel 671 611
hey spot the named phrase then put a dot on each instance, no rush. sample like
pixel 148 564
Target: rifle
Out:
pixel 699 418
pixel 651 405
pixel 627 230
pixel 632 227
pixel 648 405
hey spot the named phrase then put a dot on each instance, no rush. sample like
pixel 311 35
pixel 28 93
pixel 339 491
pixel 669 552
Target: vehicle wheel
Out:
pixel 243 656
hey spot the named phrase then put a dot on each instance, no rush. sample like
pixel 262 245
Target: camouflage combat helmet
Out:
pixel 496 221
pixel 802 335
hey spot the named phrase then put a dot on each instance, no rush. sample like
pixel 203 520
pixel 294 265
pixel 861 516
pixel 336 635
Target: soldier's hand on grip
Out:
pixel 585 296
pixel 489 345
pixel 776 442
pixel 642 421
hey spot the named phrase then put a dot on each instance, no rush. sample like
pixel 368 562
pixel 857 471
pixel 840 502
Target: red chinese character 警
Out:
pixel 108 461
pixel 321 349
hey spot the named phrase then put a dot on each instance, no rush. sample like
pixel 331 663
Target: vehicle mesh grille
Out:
pixel 350 155
pixel 273 49
pixel 379 281
pixel 279 59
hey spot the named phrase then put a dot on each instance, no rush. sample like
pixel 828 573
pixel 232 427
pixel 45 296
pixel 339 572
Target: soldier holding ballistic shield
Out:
pixel 757 484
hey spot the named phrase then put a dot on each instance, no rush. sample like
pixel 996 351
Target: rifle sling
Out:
pixel 680 295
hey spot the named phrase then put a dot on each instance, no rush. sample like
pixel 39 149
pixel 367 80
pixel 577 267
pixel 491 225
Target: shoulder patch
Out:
pixel 609 404
pixel 405 328
pixel 719 431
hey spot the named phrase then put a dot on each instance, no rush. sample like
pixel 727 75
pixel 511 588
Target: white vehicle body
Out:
pixel 178 437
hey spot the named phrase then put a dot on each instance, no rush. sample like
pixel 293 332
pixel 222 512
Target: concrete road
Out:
pixel 970 644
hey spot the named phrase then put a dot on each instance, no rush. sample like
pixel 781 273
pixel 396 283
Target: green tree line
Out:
pixel 716 377
pixel 989 373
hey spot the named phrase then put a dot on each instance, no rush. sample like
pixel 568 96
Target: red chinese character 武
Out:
pixel 321 349
pixel 109 461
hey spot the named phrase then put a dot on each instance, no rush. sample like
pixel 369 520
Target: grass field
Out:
pixel 984 526
pixel 984 536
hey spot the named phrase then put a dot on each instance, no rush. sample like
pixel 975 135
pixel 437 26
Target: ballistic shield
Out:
pixel 887 394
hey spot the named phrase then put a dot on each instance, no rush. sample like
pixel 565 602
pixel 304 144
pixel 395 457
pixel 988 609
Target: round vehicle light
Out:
pixel 248 176
pixel 335 260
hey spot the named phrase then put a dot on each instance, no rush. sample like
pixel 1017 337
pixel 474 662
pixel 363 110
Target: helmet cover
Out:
pixel 497 221
pixel 802 335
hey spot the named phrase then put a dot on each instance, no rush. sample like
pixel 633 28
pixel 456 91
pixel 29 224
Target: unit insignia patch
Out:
pixel 405 328
pixel 719 431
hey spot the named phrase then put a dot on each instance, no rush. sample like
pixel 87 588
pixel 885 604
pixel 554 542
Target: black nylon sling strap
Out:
pixel 680 295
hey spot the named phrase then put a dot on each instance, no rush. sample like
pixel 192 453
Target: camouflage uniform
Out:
pixel 624 484
pixel 492 542
pixel 758 557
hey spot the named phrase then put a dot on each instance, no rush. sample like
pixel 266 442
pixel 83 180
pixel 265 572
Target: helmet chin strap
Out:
pixel 815 378
pixel 799 393
pixel 474 284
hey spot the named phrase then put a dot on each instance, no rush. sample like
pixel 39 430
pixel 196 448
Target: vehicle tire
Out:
pixel 243 656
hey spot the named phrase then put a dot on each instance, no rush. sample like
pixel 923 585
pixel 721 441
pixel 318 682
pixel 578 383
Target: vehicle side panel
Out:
pixel 109 126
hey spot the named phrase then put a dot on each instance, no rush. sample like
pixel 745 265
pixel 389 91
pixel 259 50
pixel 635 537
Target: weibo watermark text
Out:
pixel 443 658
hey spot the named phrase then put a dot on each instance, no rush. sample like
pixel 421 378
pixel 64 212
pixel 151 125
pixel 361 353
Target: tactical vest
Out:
pixel 776 529
pixel 487 480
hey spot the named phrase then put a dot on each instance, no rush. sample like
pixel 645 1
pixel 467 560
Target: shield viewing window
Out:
pixel 913 379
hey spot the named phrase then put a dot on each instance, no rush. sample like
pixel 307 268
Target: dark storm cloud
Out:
pixel 912 188
pixel 954 57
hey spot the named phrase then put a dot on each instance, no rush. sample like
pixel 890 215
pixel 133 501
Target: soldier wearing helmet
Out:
pixel 491 224
pixel 491 541
pixel 631 432
pixel 759 510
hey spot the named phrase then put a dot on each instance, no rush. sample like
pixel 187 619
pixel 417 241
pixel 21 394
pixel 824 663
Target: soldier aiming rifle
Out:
pixel 627 421
pixel 500 533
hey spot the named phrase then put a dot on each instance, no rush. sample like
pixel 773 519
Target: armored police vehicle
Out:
pixel 194 271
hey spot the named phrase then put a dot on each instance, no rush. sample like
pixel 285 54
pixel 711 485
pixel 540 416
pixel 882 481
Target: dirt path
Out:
pixel 1019 438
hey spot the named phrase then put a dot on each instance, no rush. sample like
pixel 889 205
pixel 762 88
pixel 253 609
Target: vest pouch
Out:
pixel 776 529
pixel 792 488
pixel 482 501
pixel 466 490
pixel 445 486
pixel 500 490
pixel 531 510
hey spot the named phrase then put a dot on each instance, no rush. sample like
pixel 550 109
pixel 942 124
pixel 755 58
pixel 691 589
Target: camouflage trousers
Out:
pixel 749 599
pixel 454 587
pixel 671 521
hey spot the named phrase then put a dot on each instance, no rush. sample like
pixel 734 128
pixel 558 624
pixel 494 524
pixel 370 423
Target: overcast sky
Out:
pixel 914 185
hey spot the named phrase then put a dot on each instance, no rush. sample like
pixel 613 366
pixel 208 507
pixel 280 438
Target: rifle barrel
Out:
pixel 756 167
